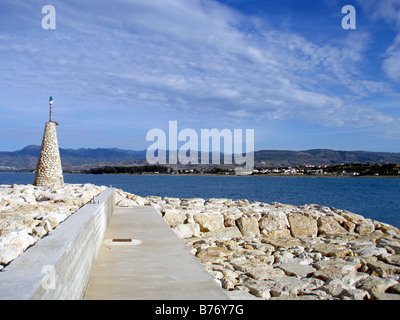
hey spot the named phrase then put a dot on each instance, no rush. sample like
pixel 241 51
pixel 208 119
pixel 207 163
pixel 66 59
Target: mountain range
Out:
pixel 83 158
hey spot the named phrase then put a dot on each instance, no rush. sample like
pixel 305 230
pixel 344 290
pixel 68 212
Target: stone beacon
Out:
pixel 49 170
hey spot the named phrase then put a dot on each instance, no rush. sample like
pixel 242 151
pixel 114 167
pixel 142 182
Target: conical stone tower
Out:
pixel 49 170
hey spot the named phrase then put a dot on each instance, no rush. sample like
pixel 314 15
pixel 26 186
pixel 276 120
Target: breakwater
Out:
pixel 257 250
pixel 254 250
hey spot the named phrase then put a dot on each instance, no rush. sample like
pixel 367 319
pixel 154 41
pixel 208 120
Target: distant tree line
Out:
pixel 130 170
pixel 388 169
pixel 336 169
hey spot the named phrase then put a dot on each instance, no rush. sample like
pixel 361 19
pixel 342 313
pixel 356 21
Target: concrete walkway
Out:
pixel 142 258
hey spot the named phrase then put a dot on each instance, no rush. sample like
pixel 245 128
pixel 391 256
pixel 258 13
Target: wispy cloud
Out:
pixel 197 58
pixel 387 12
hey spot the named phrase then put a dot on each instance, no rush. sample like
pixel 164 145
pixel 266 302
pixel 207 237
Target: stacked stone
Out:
pixel 49 170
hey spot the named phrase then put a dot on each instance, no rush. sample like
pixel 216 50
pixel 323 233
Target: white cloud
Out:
pixel 197 58
pixel 391 65
pixel 388 11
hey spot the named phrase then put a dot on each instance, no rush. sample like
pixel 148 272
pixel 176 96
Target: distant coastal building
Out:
pixel 49 170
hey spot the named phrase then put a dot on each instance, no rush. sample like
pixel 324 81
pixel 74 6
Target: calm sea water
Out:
pixel 375 198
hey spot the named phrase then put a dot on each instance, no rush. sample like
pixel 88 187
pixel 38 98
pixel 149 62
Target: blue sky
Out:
pixel 286 69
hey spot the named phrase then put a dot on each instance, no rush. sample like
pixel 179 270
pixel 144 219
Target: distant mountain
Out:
pixel 281 158
pixel 27 157
pixel 81 158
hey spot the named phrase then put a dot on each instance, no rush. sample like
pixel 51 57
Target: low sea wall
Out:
pixel 60 264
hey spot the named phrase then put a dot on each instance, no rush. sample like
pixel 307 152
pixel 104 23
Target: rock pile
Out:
pixel 277 251
pixel 254 250
pixel 28 213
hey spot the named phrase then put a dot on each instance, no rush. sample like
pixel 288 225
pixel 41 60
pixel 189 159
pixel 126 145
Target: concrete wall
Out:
pixel 59 265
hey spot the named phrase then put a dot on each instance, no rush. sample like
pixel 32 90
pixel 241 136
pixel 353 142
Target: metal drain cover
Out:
pixel 123 241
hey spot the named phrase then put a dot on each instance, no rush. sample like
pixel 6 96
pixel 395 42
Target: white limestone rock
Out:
pixel 187 230
pixel 14 243
pixel 209 221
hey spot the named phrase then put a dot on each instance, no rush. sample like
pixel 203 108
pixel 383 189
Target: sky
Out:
pixel 285 68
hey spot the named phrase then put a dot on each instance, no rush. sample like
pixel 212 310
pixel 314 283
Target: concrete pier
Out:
pixel 141 258
pixel 105 252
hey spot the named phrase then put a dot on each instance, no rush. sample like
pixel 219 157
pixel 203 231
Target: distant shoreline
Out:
pixel 225 175
pixel 233 175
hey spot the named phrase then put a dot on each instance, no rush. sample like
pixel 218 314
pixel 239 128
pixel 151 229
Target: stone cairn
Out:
pixel 49 170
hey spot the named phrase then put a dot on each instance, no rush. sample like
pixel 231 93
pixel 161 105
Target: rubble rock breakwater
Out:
pixel 28 213
pixel 254 250
pixel 257 250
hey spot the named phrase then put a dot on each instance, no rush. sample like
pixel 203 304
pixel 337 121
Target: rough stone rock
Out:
pixel 39 231
pixel 187 230
pixel 192 202
pixel 213 252
pixel 153 200
pixel 369 252
pixel 274 224
pixel 13 244
pixel 217 201
pixel 302 225
pixel 383 269
pixel 259 288
pixel 393 259
pixel 312 284
pixel 229 220
pixel 283 243
pixel 333 286
pixel 138 201
pixel 55 218
pixel 277 234
pixel 339 269
pixel 294 268
pixel 209 221
pixel 46 225
pixel 174 217
pixel 386 296
pixel 248 226
pixel 332 250
pixel 258 270
pixel 365 226
pixel 395 288
pixel 393 244
pixel 223 234
pixel 351 217
pixel 375 284
pixel 328 225
pixel 171 200
pixel 354 293
pixel 241 295
pixel 287 286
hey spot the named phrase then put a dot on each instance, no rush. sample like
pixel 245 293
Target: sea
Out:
pixel 376 198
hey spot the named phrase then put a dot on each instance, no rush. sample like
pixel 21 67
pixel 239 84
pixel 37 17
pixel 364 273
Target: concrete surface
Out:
pixel 141 258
